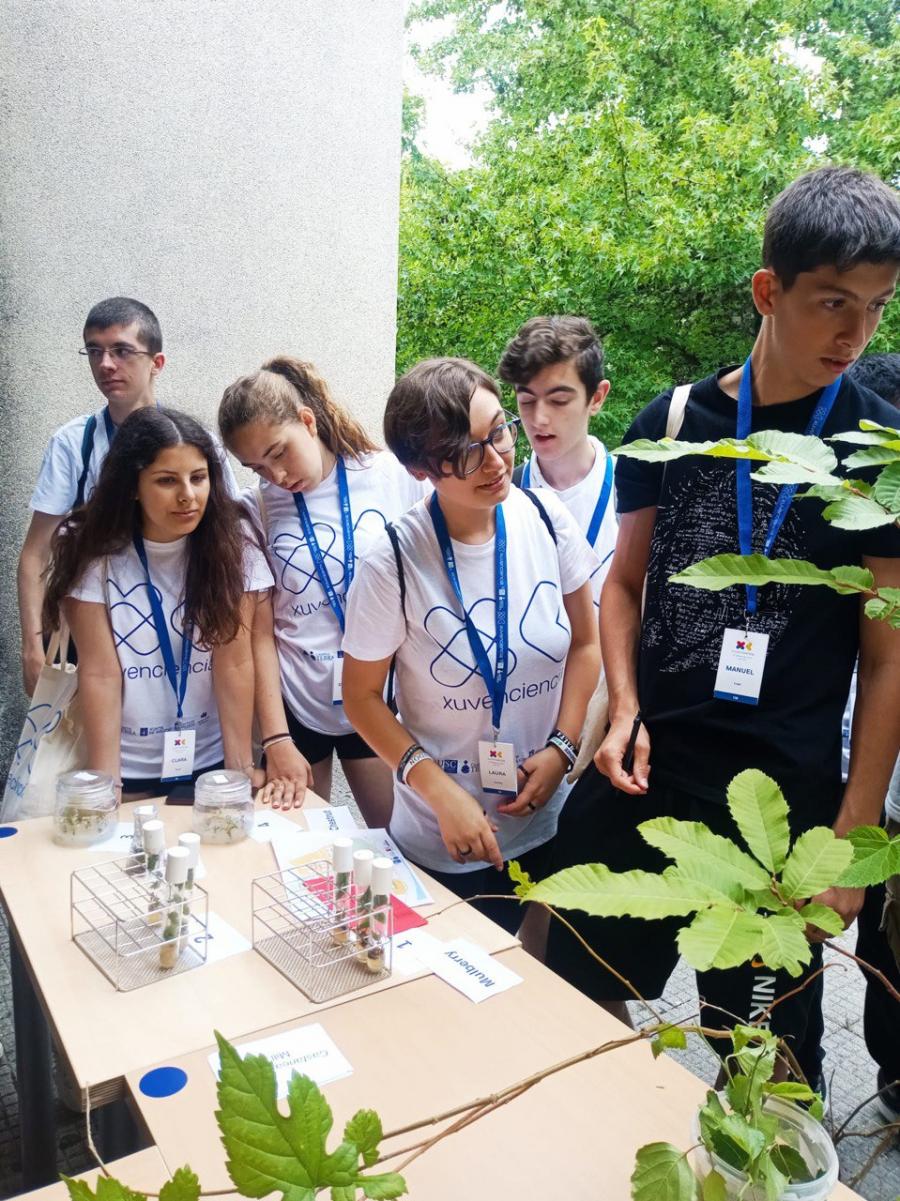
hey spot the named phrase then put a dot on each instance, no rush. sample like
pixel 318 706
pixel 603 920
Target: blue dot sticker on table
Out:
pixel 163 1082
pixel 8 831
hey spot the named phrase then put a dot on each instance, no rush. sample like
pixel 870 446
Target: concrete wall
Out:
pixel 233 165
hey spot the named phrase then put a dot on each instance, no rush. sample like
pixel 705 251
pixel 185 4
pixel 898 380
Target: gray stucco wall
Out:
pixel 235 166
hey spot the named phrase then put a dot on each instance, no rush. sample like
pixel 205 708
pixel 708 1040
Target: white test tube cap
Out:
pixel 382 876
pixel 342 855
pixel 145 811
pixel 191 842
pixel 153 834
pixel 362 869
pixel 177 865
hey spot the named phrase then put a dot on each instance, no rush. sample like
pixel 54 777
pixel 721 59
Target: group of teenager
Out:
pixel 429 612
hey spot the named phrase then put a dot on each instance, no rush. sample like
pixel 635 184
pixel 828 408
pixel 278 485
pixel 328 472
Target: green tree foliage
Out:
pixel 626 170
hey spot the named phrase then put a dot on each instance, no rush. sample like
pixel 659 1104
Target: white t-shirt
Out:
pixel 57 483
pixel 581 500
pixel 306 630
pixel 148 701
pixel 442 698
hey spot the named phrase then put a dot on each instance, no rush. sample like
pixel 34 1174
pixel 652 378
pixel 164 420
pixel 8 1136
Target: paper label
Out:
pixel 332 818
pixel 268 823
pixel 466 966
pixel 299 848
pixel 337 679
pixel 309 1050
pixel 178 755
pixel 742 662
pixel 497 761
pixel 221 939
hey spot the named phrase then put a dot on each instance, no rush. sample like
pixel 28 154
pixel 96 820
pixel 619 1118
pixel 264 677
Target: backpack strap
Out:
pixel 545 516
pixel 677 406
pixel 517 475
pixel 87 448
pixel 391 530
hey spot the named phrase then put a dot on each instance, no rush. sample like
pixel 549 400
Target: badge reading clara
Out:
pixel 742 661
pixel 178 756
pixel 497 761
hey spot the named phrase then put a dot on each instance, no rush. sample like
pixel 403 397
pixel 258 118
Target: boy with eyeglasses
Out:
pixel 123 346
pixel 555 365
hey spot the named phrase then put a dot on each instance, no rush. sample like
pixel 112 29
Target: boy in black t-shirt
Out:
pixel 831 256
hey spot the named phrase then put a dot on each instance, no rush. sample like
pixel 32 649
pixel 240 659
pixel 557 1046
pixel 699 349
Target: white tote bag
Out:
pixel 52 739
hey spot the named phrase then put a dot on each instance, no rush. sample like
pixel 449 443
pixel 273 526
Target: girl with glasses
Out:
pixel 158 584
pixel 481 595
pixel 327 493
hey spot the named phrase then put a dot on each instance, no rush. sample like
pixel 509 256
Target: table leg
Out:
pixel 34 1079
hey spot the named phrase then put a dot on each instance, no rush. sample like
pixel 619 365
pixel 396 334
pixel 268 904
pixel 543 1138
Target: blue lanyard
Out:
pixel 309 533
pixel 495 681
pixel 179 685
pixel 111 428
pixel 744 467
pixel 602 501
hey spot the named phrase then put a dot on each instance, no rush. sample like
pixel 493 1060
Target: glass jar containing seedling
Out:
pixel 342 864
pixel 154 844
pixel 176 879
pixel 223 806
pixel 86 806
pixel 362 878
pixel 379 915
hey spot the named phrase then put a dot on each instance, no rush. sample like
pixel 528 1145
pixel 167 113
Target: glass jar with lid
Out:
pixel 86 806
pixel 223 806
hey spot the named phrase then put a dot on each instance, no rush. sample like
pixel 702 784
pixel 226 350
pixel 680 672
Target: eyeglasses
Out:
pixel 502 438
pixel 120 353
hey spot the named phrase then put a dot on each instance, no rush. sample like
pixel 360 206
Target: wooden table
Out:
pixel 425 1049
pixel 102 1034
pixel 143 1172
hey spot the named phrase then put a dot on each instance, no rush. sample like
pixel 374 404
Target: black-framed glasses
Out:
pixel 502 438
pixel 121 352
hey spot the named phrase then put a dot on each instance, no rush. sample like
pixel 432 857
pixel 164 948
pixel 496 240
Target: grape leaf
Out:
pixel 364 1130
pixel 669 1036
pixel 108 1189
pixel 783 943
pixel 521 879
pixel 720 937
pixel 684 841
pixel 268 1152
pixel 817 861
pixel 184 1186
pixel 876 857
pixel 662 1173
pixel 758 807
pixel 593 888
pixel 722 571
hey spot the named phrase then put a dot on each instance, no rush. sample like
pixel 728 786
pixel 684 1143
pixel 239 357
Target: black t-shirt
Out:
pixel 699 743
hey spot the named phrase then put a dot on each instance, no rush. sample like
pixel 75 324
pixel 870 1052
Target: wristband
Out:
pixel 564 744
pixel 403 765
pixel 272 738
pixel 414 760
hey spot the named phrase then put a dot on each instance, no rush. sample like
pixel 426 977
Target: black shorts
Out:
pixel 157 787
pixel 537 862
pixel 598 824
pixel 316 746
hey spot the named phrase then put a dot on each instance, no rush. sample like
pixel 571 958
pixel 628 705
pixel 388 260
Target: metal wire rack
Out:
pixel 324 949
pixel 135 927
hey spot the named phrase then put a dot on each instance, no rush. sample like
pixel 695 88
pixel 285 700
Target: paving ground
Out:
pixel 849 1069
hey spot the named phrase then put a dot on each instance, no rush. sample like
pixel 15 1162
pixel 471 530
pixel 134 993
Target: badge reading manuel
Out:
pixel 742 661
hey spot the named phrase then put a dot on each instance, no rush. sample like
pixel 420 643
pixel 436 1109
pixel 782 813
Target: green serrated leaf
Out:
pixel 364 1130
pixel 886 489
pixel 746 1136
pixel 857 513
pixel 875 456
pixel 593 888
pixel 876 609
pixel 783 943
pixel 823 917
pixel 773 1181
pixel 816 862
pixel 791 1163
pixel 801 450
pixel 876 857
pixel 521 879
pixel 727 1149
pixel 721 938
pixel 662 1173
pixel 790 1090
pixel 856 579
pixel 866 424
pixel 863 437
pixel 694 842
pixel 108 1189
pixel 758 807
pixel 184 1186
pixel 269 1153
pixel 714 1187
pixel 648 451
pixel 383 1187
pixel 671 1037
pixel 722 571
pixel 794 473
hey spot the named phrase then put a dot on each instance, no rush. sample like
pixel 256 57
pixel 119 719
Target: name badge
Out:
pixel 742 661
pixel 337 679
pixel 178 755
pixel 497 761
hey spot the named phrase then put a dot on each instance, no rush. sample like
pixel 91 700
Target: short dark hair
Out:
pixel 122 310
pixel 426 419
pixel 836 216
pixel 880 373
pixel 545 340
